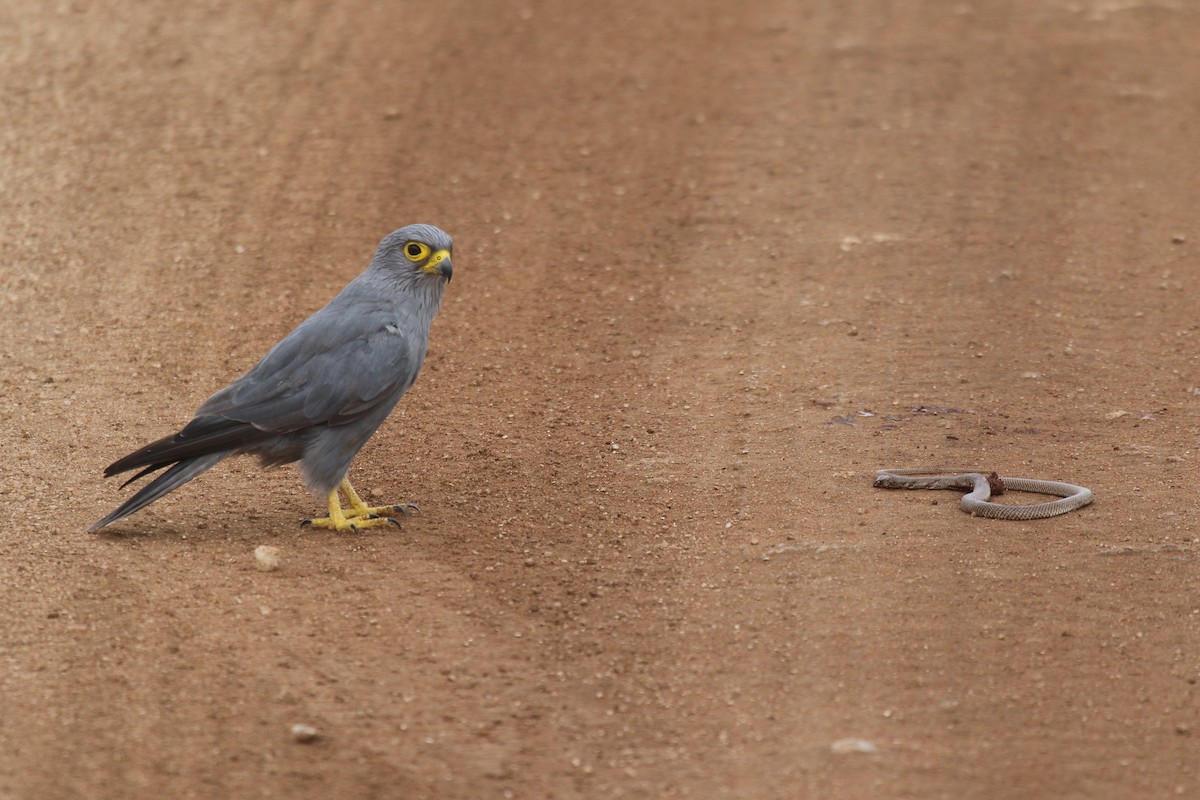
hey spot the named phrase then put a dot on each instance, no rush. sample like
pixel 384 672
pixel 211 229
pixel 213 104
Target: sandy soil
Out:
pixel 714 265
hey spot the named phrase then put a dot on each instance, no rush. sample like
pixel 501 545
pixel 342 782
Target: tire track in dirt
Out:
pixel 814 626
pixel 92 621
pixel 599 174
pixel 650 563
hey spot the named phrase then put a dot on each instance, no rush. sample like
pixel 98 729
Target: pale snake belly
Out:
pixel 977 502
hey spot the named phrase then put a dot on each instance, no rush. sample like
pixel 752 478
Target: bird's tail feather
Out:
pixel 202 436
pixel 172 479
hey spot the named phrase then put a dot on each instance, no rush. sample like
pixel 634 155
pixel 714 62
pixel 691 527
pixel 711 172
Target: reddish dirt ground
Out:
pixel 715 264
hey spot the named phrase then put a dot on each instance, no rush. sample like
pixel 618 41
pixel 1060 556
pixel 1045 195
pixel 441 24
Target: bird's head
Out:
pixel 416 252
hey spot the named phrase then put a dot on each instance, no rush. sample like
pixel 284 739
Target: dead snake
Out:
pixel 976 502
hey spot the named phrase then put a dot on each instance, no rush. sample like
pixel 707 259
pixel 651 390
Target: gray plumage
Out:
pixel 320 393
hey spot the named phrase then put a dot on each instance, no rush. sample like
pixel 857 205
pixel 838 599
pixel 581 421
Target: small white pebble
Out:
pixel 305 734
pixel 266 558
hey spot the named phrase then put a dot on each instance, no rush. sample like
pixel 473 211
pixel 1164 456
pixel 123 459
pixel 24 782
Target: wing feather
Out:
pixel 332 369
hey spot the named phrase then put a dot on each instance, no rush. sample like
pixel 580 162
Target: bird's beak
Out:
pixel 439 262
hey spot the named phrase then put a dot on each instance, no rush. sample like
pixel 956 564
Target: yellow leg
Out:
pixel 361 515
pixel 361 509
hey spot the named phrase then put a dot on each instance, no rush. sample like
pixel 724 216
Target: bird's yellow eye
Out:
pixel 415 251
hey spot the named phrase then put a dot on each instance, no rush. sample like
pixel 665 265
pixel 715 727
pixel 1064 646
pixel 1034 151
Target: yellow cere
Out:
pixel 435 259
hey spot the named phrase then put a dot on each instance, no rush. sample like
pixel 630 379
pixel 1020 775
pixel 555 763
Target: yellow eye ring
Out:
pixel 415 251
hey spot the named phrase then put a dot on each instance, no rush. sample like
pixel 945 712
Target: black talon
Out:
pixel 304 522
pixel 395 522
pixel 404 507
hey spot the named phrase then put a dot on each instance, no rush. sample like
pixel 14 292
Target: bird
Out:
pixel 319 394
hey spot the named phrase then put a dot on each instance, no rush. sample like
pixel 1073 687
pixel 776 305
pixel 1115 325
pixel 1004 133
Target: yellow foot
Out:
pixel 402 509
pixel 360 509
pixel 343 524
pixel 359 515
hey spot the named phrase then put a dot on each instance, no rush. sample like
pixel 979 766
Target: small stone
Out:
pixel 305 734
pixel 266 558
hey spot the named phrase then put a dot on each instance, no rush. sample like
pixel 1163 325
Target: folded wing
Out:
pixel 331 370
